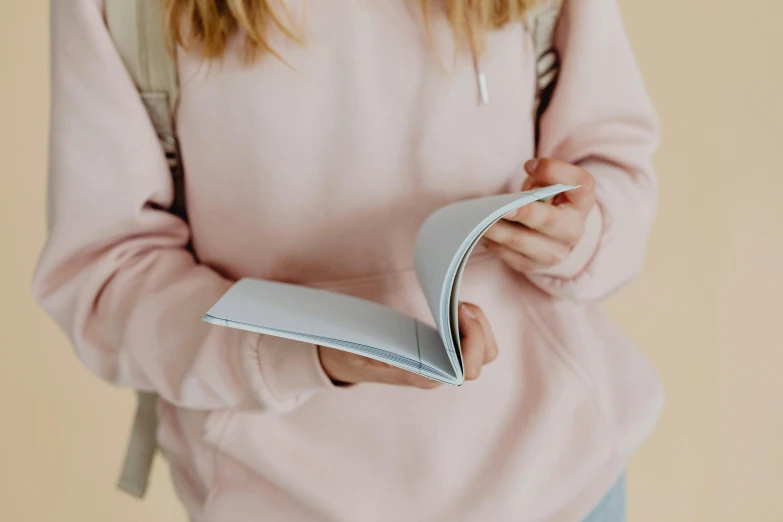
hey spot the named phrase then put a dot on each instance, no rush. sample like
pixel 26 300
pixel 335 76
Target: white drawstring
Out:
pixel 482 84
pixel 481 79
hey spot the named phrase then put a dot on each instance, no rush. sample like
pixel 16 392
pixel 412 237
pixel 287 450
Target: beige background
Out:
pixel 707 309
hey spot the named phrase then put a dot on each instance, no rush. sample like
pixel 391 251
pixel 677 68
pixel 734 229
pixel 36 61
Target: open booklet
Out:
pixel 443 244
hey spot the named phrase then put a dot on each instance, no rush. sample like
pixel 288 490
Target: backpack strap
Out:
pixel 142 443
pixel 137 29
pixel 541 22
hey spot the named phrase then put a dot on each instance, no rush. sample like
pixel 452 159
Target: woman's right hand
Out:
pixel 478 348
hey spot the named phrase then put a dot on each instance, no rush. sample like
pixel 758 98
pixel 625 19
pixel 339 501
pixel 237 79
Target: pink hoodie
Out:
pixel 321 175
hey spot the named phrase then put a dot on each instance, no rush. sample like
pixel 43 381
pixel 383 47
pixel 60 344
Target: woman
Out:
pixel 316 166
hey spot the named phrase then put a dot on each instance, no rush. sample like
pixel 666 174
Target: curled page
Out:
pixel 443 245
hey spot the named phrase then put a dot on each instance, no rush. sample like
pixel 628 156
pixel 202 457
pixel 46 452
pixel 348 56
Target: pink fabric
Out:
pixel 320 174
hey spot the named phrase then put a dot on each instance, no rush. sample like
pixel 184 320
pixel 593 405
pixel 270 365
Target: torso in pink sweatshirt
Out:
pixel 321 174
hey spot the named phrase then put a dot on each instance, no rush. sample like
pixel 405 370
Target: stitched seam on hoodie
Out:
pixel 574 366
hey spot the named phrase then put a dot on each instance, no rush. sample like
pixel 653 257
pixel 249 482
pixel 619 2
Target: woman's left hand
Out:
pixel 541 235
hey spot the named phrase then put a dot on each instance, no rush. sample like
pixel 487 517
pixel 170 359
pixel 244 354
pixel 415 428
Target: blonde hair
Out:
pixel 212 22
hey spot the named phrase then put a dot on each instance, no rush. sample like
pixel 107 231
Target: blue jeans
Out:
pixel 612 506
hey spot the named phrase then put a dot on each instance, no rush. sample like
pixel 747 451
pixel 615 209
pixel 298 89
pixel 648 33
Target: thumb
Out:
pixel 471 340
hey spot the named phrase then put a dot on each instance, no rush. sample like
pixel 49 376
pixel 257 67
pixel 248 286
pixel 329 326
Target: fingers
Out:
pixel 349 368
pixel 516 261
pixel 548 171
pixel 537 247
pixel 564 224
pixel 419 381
pixel 381 372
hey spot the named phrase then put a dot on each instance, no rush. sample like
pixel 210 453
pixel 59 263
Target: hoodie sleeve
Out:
pixel 600 118
pixel 115 272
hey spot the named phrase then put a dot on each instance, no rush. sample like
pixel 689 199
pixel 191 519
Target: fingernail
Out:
pixel 531 165
pixel 512 214
pixel 467 311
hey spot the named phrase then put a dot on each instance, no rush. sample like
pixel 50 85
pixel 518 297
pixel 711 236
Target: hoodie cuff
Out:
pixel 582 253
pixel 284 371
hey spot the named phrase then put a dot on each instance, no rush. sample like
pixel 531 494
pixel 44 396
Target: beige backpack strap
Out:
pixel 541 22
pixel 140 452
pixel 137 29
